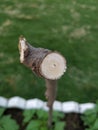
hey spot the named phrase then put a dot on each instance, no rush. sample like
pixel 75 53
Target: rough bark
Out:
pixel 32 57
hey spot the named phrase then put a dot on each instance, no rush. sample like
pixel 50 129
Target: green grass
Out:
pixel 68 26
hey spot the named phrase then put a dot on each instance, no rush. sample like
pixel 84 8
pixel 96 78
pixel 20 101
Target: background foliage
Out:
pixel 68 26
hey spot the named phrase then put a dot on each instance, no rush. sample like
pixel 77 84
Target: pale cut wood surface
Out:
pixel 53 66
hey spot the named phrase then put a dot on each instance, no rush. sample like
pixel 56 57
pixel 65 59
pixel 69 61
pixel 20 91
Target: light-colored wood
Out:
pixel 53 66
pixel 22 48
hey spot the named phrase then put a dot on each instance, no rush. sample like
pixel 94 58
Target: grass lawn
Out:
pixel 68 26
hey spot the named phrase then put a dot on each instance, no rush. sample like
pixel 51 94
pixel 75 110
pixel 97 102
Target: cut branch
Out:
pixel 45 63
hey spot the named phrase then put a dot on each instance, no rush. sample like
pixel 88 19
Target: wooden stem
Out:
pixel 51 89
pixel 50 117
pixel 45 63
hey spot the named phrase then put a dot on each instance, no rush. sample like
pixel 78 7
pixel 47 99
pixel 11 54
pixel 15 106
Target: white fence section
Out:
pixel 66 107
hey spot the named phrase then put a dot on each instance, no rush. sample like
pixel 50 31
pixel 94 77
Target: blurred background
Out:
pixel 67 26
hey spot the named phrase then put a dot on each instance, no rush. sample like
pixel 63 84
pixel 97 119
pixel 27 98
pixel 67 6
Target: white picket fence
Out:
pixel 66 107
